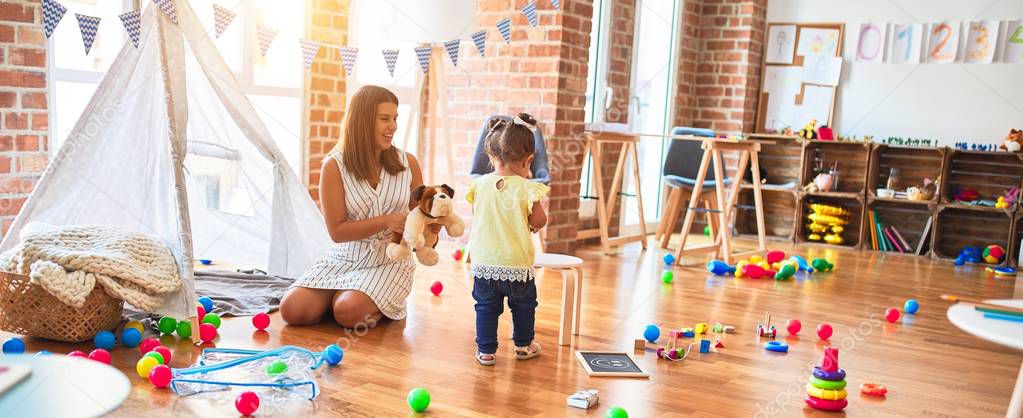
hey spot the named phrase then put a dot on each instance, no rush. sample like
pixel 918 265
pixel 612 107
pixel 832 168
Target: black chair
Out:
pixel 481 163
pixel 681 168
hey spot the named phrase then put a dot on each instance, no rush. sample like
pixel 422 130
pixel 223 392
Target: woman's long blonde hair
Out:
pixel 358 136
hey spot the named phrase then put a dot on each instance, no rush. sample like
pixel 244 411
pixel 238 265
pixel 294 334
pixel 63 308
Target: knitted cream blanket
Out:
pixel 68 261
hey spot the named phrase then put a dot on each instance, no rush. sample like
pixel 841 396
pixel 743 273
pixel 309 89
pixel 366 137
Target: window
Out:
pixel 597 94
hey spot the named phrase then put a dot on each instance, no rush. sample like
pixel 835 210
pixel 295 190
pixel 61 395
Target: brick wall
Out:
pixel 325 85
pixel 24 117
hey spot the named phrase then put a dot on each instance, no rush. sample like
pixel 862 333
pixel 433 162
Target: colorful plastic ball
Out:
pixel 135 325
pixel 276 368
pixel 911 306
pixel 333 354
pixel 167 325
pixel 78 353
pixel 163 351
pixel 185 329
pixel 824 331
pixel 207 332
pixel 246 403
pixel 457 254
pixel 793 326
pixel 418 399
pixel 669 259
pixel 130 337
pixel 891 314
pixel 207 303
pixel 436 288
pixel 14 345
pixel 616 412
pixel 994 254
pixel 159 357
pixel 105 340
pixel 667 276
pixel 160 376
pixel 706 230
pixel 200 311
pixel 652 333
pixel 212 319
pixel 100 355
pixel 261 321
pixel 145 365
pixel 148 345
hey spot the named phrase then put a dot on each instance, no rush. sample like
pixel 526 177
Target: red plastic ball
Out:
pixel 891 314
pixel 436 288
pixel 824 331
pixel 148 345
pixel 207 332
pixel 165 352
pixel 160 376
pixel 246 403
pixel 100 355
pixel 457 254
pixel 200 312
pixel 78 353
pixel 261 321
pixel 793 326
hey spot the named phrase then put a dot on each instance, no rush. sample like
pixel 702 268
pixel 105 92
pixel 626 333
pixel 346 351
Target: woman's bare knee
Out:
pixel 302 306
pixel 355 310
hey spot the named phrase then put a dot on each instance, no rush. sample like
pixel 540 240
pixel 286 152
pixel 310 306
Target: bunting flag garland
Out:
pixel 309 50
pixel 222 18
pixel 348 55
pixel 266 37
pixel 133 25
pixel 504 26
pixel 88 25
pixel 391 58
pixel 53 12
pixel 169 9
pixel 452 48
pixel 556 4
pixel 423 55
pixel 480 39
pixel 530 12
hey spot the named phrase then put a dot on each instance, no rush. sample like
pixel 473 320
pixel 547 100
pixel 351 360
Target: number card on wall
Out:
pixel 981 41
pixel 944 42
pixel 1014 42
pixel 906 42
pixel 870 46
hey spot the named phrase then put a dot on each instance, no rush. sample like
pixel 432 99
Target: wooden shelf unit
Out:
pixel 853 230
pixel 956 227
pixel 909 217
pixel 990 173
pixel 913 163
pixel 853 164
pixel 779 215
pixel 1015 239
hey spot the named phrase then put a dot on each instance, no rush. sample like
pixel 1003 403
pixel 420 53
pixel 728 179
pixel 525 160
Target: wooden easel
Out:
pixel 606 204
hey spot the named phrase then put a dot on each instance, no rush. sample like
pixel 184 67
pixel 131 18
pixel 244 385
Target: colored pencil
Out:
pixel 873 230
pixel 901 239
pixel 984 305
pixel 891 239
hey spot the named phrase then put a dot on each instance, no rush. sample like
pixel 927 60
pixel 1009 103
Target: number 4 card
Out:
pixel 907 41
pixel 944 42
pixel 980 45
pixel 1014 42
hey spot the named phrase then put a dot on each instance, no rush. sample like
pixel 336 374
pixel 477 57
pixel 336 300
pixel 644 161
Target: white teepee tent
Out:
pixel 170 146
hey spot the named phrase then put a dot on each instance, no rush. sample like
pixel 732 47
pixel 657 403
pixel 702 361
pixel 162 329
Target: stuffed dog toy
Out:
pixel 435 205
pixel 1012 141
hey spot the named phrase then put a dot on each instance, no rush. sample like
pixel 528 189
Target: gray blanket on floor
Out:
pixel 235 293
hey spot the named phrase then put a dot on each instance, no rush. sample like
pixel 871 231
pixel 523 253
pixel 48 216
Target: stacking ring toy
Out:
pixel 824 375
pixel 776 346
pixel 819 393
pixel 873 389
pixel 825 404
pixel 827 384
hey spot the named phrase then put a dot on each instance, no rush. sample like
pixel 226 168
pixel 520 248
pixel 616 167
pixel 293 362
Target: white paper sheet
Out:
pixel 1014 43
pixel 822 70
pixel 981 42
pixel 907 41
pixel 781 43
pixel 871 43
pixel 816 104
pixel 782 85
pixel 818 42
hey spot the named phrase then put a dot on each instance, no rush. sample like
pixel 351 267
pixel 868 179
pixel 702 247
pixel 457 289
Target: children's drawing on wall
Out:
pixel 818 42
pixel 980 45
pixel 906 42
pixel 781 42
pixel 870 46
pixel 825 71
pixel 944 42
pixel 1014 42
pixel 781 84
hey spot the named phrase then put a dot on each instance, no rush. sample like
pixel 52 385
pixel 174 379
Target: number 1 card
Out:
pixel 906 42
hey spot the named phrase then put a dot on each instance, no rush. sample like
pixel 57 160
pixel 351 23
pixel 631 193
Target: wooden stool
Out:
pixel 571 291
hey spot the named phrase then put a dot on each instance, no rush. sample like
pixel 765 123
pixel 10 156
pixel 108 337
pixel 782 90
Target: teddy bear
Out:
pixel 1012 141
pixel 434 206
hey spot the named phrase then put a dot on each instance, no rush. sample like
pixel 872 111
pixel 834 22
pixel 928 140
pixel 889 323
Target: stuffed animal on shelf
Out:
pixel 965 194
pixel 434 206
pixel 1013 141
pixel 809 131
pixel 926 192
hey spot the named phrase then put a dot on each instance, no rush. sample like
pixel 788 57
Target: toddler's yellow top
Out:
pixel 500 246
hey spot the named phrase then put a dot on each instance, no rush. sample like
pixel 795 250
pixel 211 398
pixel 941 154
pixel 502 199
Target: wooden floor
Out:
pixel 930 367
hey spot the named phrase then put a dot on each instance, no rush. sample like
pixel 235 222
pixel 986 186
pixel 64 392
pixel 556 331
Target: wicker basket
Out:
pixel 29 309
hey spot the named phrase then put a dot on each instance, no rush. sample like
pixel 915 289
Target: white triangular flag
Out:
pixel 222 18
pixel 53 12
pixel 390 58
pixel 266 37
pixel 452 48
pixel 169 9
pixel 423 55
pixel 133 25
pixel 89 25
pixel 309 50
pixel 480 39
pixel 348 56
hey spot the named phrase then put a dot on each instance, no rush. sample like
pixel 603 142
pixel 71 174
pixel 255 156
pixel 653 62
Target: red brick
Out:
pixel 8 99
pixel 6 33
pixel 31 35
pixel 15 120
pixel 28 57
pixel 40 121
pixel 11 12
pixel 19 78
pixel 30 100
pixel 17 185
pixel 11 206
pixel 32 163
pixel 5 164
pixel 26 143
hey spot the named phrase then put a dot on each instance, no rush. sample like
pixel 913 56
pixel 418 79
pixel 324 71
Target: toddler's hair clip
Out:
pixel 519 121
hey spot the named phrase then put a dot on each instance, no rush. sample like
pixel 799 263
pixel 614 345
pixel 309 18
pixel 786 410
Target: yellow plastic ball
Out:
pixel 135 324
pixel 756 259
pixel 145 365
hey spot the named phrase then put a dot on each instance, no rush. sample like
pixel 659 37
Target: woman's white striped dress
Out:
pixel 363 265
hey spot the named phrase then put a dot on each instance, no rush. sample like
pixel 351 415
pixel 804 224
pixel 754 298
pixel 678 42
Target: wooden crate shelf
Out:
pixel 783 163
pixel 779 215
pixel 990 173
pixel 853 230
pixel 913 163
pixel 957 227
pixel 1015 239
pixel 909 218
pixel 853 164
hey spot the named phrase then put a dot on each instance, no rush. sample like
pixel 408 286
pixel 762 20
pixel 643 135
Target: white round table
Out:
pixel 1006 333
pixel 61 386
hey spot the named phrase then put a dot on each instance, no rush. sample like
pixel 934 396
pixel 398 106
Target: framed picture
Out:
pixel 610 364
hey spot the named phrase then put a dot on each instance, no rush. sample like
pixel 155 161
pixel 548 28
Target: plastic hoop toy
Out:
pixel 825 404
pixel 827 384
pixel 873 389
pixel 776 346
pixel 824 375
pixel 832 395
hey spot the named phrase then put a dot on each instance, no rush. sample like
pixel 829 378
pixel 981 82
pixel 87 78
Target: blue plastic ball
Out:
pixel 911 306
pixel 206 303
pixel 42 353
pixel 652 333
pixel 131 337
pixel 669 259
pixel 105 340
pixel 14 345
pixel 333 354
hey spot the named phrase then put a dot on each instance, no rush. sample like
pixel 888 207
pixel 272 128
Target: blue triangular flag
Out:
pixel 530 12
pixel 556 4
pixel 53 12
pixel 169 9
pixel 452 48
pixel 423 55
pixel 504 26
pixel 88 25
pixel 309 50
pixel 348 56
pixel 480 39
pixel 390 58
pixel 133 25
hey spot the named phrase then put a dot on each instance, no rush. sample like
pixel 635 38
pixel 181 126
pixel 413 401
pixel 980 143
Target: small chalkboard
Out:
pixel 609 363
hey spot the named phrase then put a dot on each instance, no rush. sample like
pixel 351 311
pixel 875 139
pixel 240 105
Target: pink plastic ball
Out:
pixel 793 326
pixel 160 376
pixel 207 332
pixel 436 288
pixel 77 353
pixel 246 403
pixel 148 345
pixel 165 352
pixel 891 314
pixel 100 355
pixel 200 312
pixel 261 321
pixel 824 331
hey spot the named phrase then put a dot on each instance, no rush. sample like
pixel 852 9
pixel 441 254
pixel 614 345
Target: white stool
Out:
pixel 571 291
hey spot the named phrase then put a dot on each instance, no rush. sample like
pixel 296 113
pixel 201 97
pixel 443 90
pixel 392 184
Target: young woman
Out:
pixel 365 191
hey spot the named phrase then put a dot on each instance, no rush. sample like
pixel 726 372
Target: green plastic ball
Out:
pixel 616 412
pixel 667 276
pixel 276 368
pixel 706 231
pixel 185 329
pixel 212 319
pixel 167 325
pixel 418 399
pixel 157 356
